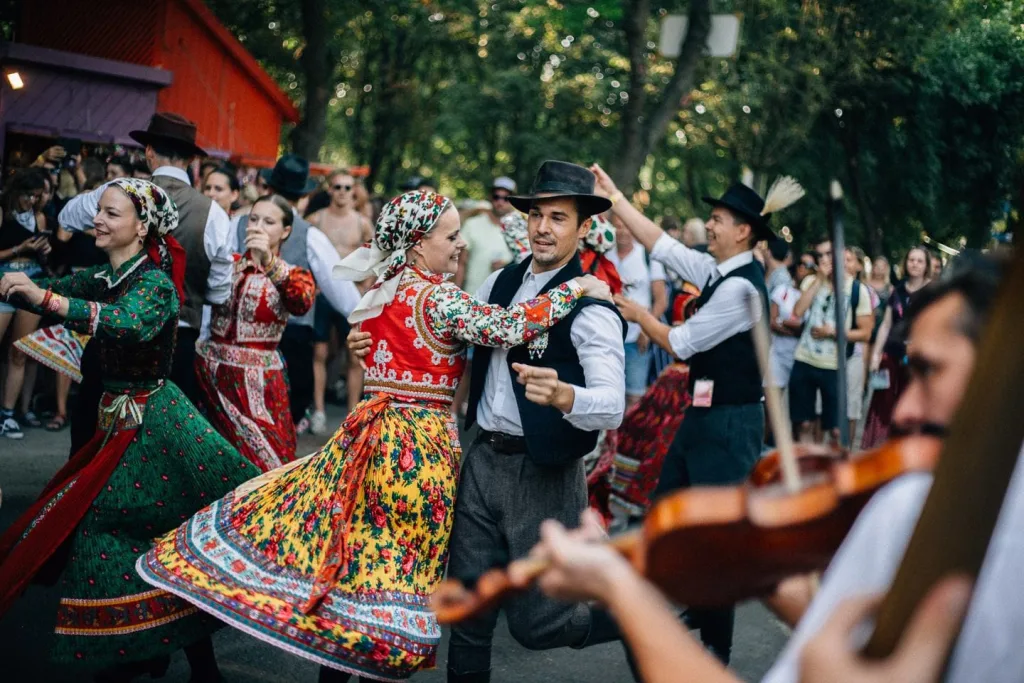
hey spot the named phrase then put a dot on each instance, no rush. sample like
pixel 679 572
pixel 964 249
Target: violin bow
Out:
pixel 778 411
pixel 978 460
pixel 838 279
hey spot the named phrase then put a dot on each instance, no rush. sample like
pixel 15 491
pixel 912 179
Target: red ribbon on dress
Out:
pixel 363 425
pixel 602 268
pixel 38 533
pixel 177 255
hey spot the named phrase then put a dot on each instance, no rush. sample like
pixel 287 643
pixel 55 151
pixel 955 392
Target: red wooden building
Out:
pixel 237 106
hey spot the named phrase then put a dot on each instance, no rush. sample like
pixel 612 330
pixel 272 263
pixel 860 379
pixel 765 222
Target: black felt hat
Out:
pixel 562 179
pixel 290 176
pixel 170 129
pixel 748 204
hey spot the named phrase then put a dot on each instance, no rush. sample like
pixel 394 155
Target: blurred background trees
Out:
pixel 917 106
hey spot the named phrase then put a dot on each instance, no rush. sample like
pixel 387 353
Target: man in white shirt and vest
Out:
pixel 720 440
pixel 204 231
pixel 538 417
pixel 307 247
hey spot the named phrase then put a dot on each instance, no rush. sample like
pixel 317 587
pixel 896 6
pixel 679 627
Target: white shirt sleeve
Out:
pixel 658 271
pixel 727 313
pixel 865 563
pixel 78 214
pixel 597 334
pixel 323 257
pixel 219 242
pixel 689 264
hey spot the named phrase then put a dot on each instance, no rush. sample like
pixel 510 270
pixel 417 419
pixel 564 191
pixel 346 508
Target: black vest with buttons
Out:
pixel 732 364
pixel 550 439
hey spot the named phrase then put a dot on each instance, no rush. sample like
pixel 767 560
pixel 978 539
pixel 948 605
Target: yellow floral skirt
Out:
pixel 333 557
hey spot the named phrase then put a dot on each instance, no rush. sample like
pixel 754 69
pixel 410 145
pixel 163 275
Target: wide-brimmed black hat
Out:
pixel 748 204
pixel 170 129
pixel 290 176
pixel 562 179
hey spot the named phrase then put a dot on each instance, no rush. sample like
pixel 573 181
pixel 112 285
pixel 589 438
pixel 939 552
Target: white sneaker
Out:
pixel 318 423
pixel 11 429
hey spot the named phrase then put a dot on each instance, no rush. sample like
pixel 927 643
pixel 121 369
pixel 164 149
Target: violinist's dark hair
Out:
pixel 974 276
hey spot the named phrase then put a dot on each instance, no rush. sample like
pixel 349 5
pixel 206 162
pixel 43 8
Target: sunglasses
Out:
pixel 499 197
pixel 342 187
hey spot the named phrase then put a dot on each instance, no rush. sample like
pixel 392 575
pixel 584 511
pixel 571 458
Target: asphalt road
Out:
pixel 26 631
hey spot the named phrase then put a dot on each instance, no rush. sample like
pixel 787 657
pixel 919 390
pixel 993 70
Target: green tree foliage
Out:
pixel 915 105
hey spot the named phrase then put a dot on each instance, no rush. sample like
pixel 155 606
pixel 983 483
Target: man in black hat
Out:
pixel 538 417
pixel 309 248
pixel 721 437
pixel 204 230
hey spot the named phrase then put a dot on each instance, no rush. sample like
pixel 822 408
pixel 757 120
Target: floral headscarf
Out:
pixel 403 222
pixel 154 207
pixel 158 213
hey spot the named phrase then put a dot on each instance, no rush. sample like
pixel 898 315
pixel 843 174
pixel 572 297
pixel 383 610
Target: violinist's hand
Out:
pixel 630 310
pixel 919 657
pixel 580 567
pixel 544 388
pixel 359 345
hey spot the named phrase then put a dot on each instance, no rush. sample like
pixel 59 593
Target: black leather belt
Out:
pixel 506 444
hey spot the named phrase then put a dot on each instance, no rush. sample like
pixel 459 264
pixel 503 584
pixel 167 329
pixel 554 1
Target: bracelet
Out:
pixel 615 197
pixel 46 300
pixel 576 288
pixel 54 303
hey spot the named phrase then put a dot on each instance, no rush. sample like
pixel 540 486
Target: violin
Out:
pixel 718 545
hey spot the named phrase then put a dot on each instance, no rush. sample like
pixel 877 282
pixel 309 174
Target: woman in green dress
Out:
pixel 153 462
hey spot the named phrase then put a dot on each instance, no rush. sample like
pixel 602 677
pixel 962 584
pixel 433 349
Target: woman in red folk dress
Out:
pixel 333 557
pixel 240 372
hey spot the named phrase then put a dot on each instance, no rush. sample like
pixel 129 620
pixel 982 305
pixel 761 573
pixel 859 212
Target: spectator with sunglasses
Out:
pixel 485 250
pixel 347 229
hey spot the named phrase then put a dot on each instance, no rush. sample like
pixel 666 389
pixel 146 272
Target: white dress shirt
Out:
pixel 597 335
pixel 726 314
pixel 989 648
pixel 218 239
pixel 322 256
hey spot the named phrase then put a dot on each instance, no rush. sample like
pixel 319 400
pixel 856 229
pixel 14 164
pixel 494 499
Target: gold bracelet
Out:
pixel 616 197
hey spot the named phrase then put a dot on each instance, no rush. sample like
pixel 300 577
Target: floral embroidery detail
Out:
pixel 457 315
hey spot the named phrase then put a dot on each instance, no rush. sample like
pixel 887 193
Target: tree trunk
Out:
pixel 641 130
pixel 308 137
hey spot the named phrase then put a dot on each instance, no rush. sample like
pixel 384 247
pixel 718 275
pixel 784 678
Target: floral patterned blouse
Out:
pixel 260 303
pixel 420 339
pixel 134 307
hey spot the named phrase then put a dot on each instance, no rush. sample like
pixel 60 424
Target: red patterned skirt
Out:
pixel 631 457
pixel 247 396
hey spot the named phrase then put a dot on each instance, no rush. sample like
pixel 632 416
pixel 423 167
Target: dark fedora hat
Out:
pixel 748 205
pixel 172 130
pixel 290 176
pixel 562 179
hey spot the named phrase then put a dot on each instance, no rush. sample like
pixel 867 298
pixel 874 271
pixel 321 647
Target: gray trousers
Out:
pixel 501 502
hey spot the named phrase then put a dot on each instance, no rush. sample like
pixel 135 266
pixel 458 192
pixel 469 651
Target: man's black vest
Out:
pixel 550 439
pixel 732 364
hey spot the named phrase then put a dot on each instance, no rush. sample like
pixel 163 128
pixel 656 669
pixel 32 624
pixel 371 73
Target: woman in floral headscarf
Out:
pixel 334 557
pixel 153 461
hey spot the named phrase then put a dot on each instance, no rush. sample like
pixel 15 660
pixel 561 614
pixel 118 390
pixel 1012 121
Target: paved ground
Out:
pixel 25 632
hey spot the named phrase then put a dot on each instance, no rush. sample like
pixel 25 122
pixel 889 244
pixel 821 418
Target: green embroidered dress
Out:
pixel 153 463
